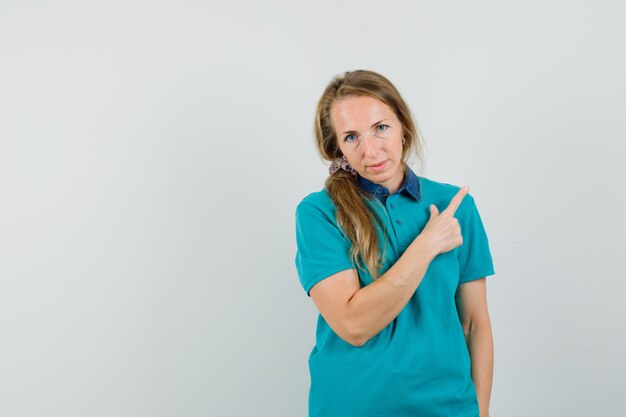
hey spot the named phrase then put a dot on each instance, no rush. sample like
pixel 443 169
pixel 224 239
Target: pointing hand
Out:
pixel 442 233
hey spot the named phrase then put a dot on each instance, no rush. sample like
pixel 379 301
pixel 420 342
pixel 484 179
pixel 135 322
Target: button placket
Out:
pixel 392 214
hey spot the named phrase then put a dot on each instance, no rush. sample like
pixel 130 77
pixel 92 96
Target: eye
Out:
pixel 382 127
pixel 350 138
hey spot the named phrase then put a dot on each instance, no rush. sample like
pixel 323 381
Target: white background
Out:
pixel 152 155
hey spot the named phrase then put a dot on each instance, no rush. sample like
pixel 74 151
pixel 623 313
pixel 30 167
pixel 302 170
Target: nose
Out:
pixel 371 145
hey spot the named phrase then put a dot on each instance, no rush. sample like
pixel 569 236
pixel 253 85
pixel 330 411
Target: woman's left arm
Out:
pixel 471 301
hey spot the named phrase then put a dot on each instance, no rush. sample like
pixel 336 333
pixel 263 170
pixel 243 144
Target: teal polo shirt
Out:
pixel 419 364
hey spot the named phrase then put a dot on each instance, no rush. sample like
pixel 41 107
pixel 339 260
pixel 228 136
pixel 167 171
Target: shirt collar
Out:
pixel 410 184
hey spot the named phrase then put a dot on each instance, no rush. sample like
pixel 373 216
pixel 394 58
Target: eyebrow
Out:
pixel 377 123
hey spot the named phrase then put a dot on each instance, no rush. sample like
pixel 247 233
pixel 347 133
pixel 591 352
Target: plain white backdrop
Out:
pixel 152 155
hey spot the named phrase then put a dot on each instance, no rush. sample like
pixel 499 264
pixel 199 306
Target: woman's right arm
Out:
pixel 358 314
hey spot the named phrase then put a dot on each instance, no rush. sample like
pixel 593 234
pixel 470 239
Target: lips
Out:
pixel 380 167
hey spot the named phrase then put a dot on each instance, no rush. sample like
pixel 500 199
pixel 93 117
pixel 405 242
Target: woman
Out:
pixel 395 264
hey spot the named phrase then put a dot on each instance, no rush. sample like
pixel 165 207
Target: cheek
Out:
pixel 394 149
pixel 399 147
pixel 353 159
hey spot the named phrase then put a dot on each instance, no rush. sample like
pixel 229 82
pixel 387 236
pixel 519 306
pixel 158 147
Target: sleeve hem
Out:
pixel 325 274
pixel 475 275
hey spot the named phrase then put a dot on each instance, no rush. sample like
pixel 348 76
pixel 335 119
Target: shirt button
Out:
pixel 392 206
pixel 398 221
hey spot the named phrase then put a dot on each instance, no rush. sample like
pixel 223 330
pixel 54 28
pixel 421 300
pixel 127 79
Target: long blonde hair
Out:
pixel 354 215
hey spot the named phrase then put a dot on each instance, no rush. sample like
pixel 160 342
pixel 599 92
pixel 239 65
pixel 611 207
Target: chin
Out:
pixel 380 178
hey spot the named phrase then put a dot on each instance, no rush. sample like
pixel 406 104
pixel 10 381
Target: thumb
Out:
pixel 433 211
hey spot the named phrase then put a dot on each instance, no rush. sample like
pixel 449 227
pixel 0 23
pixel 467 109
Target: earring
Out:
pixel 403 141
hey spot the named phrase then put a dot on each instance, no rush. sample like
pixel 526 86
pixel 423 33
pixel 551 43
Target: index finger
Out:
pixel 456 201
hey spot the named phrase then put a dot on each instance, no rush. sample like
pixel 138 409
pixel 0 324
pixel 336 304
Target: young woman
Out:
pixel 395 264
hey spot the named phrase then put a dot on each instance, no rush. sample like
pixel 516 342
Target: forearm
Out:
pixel 374 306
pixel 480 344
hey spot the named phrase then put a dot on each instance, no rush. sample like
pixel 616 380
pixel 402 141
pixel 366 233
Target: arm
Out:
pixel 358 314
pixel 471 299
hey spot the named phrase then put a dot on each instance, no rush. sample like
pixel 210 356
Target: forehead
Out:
pixel 359 111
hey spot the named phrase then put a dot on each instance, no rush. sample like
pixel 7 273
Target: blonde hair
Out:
pixel 354 216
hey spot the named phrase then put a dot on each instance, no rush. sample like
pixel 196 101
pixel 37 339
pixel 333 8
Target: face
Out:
pixel 369 134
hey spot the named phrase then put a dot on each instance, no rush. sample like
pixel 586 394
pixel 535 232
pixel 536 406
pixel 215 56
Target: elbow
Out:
pixel 347 331
pixel 476 325
pixel 350 329
pixel 355 341
pixel 467 326
pixel 350 337
pixel 355 335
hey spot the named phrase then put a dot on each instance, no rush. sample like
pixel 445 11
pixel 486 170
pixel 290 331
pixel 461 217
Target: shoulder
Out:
pixel 432 187
pixel 317 204
pixel 318 199
pixel 316 215
pixel 440 194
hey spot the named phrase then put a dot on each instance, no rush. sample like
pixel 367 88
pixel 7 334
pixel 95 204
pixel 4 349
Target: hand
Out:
pixel 442 233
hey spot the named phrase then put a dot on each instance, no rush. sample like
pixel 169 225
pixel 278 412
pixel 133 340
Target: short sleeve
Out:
pixel 474 255
pixel 322 248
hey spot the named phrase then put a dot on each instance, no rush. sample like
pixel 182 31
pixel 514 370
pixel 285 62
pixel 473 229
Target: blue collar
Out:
pixel 410 185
